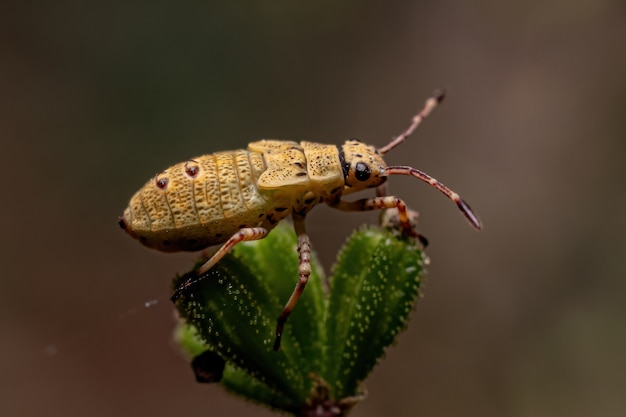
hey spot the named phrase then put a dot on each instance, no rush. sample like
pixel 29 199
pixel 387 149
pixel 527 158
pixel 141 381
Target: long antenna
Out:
pixel 462 205
pixel 430 105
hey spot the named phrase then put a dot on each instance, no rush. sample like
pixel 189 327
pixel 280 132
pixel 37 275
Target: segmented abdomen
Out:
pixel 199 203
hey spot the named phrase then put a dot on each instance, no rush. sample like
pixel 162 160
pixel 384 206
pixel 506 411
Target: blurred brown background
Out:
pixel 527 318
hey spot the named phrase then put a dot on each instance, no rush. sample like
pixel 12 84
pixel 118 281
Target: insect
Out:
pixel 229 197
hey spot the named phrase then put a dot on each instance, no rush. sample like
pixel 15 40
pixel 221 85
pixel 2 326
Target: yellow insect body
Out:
pixel 204 201
pixel 229 197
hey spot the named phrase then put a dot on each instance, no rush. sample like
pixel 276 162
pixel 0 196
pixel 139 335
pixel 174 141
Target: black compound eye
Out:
pixel 362 172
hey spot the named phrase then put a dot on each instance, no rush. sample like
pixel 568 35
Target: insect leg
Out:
pixel 390 218
pixel 379 203
pixel 304 270
pixel 242 235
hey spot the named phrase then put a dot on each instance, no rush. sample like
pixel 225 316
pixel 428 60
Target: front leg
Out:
pixel 382 202
pixel 390 217
pixel 304 271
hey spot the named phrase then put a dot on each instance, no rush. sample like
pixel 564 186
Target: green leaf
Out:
pixel 275 261
pixel 374 287
pixel 235 312
pixel 234 379
pixel 329 345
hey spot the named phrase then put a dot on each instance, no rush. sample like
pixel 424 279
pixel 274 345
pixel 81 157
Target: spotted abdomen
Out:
pixel 201 202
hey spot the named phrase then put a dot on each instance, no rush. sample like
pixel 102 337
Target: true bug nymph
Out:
pixel 235 196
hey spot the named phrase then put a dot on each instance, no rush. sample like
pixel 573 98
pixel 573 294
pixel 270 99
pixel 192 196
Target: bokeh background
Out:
pixel 527 318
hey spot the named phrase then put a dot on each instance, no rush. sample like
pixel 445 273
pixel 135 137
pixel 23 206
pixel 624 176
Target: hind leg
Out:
pixel 242 235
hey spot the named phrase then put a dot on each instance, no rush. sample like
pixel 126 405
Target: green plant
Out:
pixel 332 340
